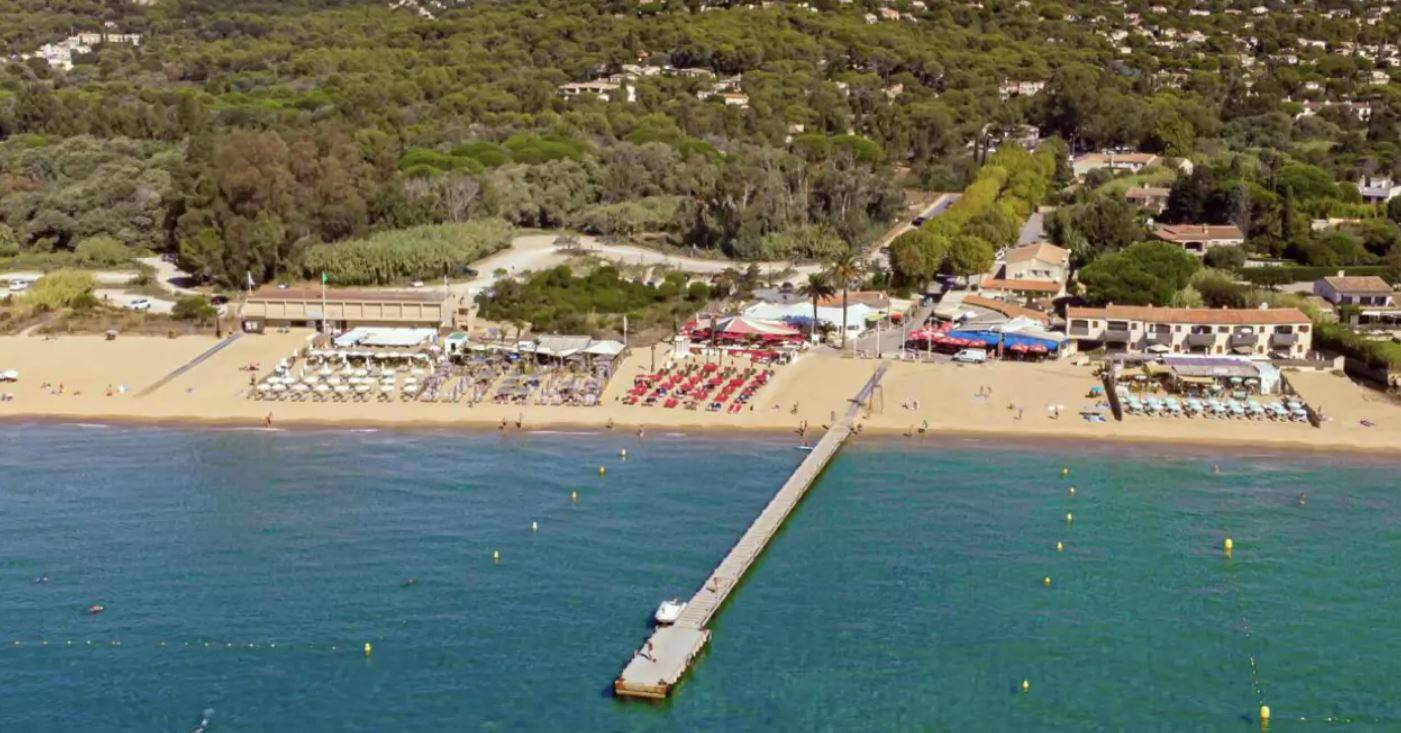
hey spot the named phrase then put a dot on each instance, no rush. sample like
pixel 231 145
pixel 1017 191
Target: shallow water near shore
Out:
pixel 244 570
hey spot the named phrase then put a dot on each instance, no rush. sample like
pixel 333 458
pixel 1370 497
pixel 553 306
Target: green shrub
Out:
pixel 193 308
pixel 533 149
pixel 101 251
pixel 489 155
pixel 557 301
pixel 419 162
pixel 650 214
pixel 58 289
pixel 406 254
pixel 1337 337
pixel 9 243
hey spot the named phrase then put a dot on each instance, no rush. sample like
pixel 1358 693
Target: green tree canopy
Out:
pixel 1148 273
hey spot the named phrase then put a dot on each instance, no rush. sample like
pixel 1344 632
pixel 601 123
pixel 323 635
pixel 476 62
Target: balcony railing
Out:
pixel 1201 340
pixel 1244 339
pixel 1115 336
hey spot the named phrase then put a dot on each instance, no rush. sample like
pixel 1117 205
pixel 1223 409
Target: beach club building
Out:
pixel 345 310
pixel 1257 333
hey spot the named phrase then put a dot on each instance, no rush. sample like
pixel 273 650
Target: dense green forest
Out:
pixel 243 134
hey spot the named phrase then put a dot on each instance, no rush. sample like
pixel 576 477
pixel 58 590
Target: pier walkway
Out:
pixel 663 660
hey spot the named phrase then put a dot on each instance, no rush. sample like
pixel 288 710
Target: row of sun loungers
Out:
pixel 1231 409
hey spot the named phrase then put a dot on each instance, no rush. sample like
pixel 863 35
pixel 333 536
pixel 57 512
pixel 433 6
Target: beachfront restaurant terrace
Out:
pixel 1254 332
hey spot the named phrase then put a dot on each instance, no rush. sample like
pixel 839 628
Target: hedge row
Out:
pixel 1304 273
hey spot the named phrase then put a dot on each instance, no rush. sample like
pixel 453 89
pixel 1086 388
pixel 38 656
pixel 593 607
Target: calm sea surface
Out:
pixel 243 570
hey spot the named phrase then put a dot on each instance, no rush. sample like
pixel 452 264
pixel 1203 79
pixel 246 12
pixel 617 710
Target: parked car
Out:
pixel 918 221
pixel 140 304
pixel 19 286
pixel 971 356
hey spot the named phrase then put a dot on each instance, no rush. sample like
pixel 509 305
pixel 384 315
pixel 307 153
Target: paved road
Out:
pixel 122 299
pixel 1033 230
pixel 104 277
pixel 169 277
pixel 888 338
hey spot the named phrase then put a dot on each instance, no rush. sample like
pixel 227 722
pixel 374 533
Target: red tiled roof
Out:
pixel 1044 251
pixel 1370 284
pixel 1197 232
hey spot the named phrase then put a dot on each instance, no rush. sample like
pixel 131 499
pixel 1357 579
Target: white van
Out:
pixel 971 356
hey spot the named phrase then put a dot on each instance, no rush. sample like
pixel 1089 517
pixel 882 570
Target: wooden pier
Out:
pixel 656 668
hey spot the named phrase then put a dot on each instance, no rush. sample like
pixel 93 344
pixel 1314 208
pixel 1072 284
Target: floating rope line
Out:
pixel 196 645
pixel 1252 645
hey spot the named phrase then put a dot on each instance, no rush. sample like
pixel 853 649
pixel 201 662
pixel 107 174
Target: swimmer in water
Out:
pixel 1303 499
pixel 42 579
pixel 96 608
pixel 204 721
pixel 1216 468
pixel 408 582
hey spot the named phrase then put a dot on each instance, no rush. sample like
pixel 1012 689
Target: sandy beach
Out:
pixel 922 401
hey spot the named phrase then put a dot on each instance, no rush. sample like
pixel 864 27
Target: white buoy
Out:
pixel 534 527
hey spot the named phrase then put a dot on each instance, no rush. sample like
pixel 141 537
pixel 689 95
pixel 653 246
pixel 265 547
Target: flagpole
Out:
pixel 325 327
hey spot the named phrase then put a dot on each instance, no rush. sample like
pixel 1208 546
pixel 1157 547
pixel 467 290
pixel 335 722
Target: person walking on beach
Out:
pixel 267 421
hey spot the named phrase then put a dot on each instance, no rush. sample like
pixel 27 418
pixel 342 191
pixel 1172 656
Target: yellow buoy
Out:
pixel 600 470
pixel 1060 546
pixel 496 556
pixel 1228 545
pixel 1026 685
pixel 1069 517
pixel 1072 491
pixel 1065 472
pixel 1264 713
pixel 573 496
pixel 368 649
pixel 1046 581
pixel 534 527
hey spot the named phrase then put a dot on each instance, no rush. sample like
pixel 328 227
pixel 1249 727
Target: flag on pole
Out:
pixel 324 279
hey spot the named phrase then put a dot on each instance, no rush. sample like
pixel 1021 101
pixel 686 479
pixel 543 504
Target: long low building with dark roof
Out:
pixel 1253 332
pixel 344 309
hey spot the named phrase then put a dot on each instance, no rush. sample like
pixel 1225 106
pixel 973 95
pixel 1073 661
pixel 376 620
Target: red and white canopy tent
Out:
pixel 741 328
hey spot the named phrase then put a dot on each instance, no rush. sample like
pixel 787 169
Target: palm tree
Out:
pixel 817 287
pixel 846 268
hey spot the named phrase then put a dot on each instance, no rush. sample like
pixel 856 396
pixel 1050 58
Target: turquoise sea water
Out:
pixel 905 594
